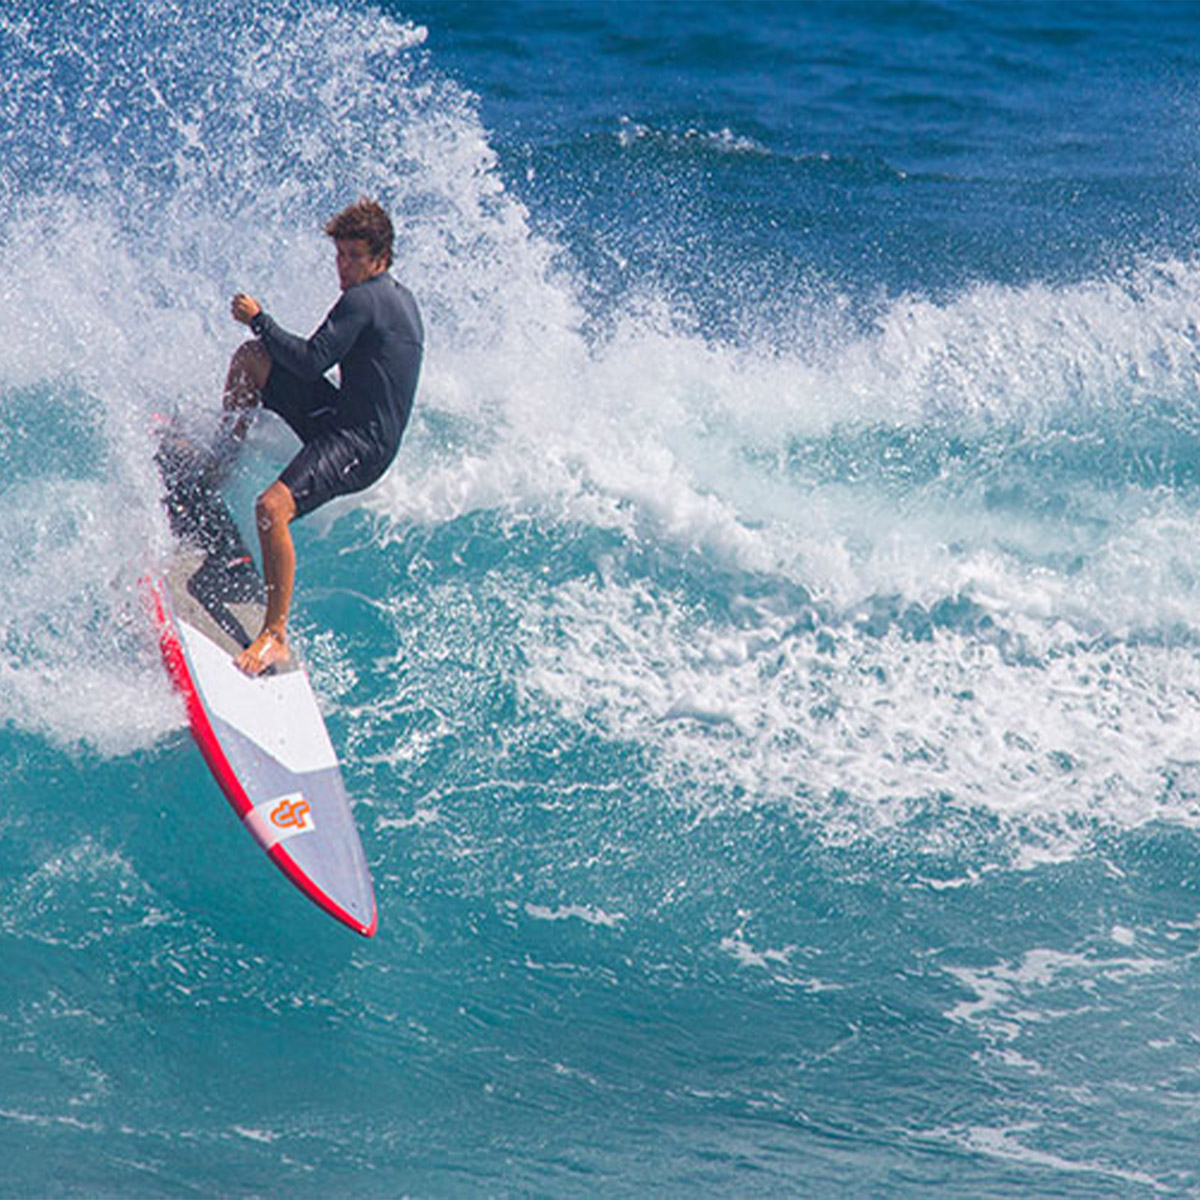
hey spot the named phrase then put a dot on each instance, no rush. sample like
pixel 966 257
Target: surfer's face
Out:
pixel 355 264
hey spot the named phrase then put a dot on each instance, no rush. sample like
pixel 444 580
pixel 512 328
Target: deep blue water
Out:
pixel 769 675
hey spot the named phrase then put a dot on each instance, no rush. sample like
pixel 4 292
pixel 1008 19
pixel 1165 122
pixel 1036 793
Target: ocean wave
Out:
pixel 947 501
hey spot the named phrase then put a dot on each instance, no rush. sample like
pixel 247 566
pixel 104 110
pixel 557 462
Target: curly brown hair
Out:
pixel 365 219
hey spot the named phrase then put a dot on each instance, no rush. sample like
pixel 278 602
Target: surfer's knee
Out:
pixel 249 369
pixel 252 357
pixel 274 507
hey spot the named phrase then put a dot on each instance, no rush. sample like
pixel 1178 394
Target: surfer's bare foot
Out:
pixel 268 649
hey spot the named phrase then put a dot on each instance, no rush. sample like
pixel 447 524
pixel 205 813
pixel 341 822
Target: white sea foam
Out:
pixel 856 729
pixel 586 913
pixel 1009 1144
pixel 1066 689
pixel 46 905
pixel 1007 994
pixel 923 457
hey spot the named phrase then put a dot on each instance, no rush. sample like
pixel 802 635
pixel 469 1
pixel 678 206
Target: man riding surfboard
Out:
pixel 351 432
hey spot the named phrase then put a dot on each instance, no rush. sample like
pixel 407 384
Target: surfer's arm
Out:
pixel 312 357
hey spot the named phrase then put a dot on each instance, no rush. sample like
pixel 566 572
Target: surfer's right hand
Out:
pixel 244 308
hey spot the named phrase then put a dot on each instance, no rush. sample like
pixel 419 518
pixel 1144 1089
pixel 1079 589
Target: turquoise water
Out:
pixel 767 677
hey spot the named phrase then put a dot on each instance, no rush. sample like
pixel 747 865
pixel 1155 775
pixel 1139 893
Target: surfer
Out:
pixel 350 432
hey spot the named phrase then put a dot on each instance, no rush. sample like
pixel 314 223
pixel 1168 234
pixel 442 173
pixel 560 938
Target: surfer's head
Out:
pixel 364 236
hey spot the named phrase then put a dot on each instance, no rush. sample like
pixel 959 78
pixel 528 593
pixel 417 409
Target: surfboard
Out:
pixel 263 738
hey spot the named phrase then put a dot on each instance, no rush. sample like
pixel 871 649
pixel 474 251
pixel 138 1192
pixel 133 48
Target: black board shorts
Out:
pixel 334 461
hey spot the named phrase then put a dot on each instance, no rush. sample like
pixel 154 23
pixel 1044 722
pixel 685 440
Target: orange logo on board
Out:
pixel 292 814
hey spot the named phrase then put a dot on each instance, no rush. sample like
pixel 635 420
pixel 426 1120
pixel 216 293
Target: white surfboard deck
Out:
pixel 263 738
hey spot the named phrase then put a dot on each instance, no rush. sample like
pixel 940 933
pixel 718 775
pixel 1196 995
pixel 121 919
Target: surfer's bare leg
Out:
pixel 274 513
pixel 249 369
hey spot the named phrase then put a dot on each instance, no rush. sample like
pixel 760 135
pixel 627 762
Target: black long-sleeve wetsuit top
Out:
pixel 374 333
